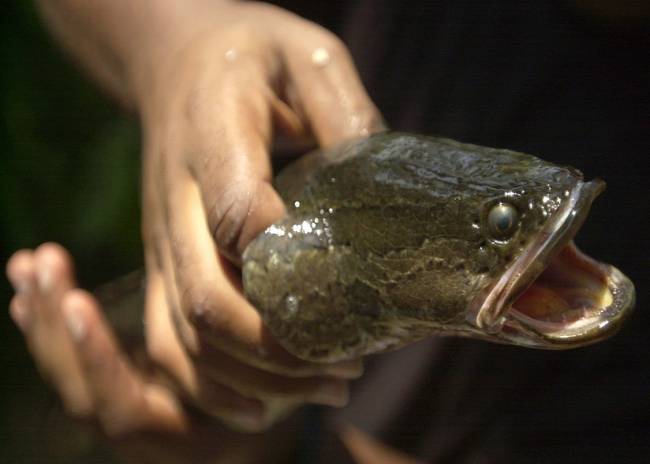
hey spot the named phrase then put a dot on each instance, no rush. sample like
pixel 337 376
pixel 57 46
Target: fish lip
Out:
pixel 493 313
pixel 524 330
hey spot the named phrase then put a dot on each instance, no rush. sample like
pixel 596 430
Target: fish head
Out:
pixel 540 290
pixel 395 237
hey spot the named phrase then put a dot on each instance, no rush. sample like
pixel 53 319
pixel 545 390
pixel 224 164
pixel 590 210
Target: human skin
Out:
pixel 212 83
pixel 135 410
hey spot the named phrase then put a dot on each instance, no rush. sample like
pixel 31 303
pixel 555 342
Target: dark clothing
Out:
pixel 538 77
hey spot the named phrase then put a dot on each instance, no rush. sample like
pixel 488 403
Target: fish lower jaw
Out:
pixel 576 301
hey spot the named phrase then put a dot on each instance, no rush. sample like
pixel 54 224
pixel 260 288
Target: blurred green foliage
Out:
pixel 69 172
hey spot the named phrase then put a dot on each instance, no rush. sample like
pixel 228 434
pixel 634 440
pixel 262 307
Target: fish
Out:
pixel 396 236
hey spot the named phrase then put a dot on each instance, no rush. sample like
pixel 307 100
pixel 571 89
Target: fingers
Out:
pixel 21 274
pixel 41 278
pixel 210 296
pixel 225 197
pixel 325 84
pixel 256 383
pixel 122 401
pixel 212 183
pixel 233 169
pixel 76 351
pixel 165 348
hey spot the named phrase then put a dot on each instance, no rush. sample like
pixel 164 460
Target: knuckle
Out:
pixel 335 47
pixel 201 306
pixel 54 255
pixel 227 215
pixel 20 263
pixel 50 248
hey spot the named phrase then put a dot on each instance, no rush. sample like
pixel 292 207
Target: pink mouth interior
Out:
pixel 573 287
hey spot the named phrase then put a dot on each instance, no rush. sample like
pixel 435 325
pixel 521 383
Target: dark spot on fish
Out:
pixel 372 311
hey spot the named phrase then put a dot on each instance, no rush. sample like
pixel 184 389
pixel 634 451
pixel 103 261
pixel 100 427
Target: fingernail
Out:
pixel 44 276
pixel 74 321
pixel 20 314
pixel 332 394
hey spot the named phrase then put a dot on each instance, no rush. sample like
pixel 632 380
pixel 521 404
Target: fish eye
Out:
pixel 502 220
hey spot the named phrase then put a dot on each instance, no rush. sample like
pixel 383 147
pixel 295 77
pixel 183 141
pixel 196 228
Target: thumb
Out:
pixel 234 174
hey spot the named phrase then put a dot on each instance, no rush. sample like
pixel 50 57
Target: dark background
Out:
pixel 539 77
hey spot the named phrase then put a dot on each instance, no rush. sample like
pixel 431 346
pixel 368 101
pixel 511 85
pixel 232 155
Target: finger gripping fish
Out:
pixel 395 237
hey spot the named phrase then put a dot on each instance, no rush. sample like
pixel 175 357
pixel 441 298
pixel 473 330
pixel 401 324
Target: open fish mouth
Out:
pixel 554 296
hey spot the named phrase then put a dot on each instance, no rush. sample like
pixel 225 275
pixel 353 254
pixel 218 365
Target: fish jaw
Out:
pixel 594 301
pixel 554 296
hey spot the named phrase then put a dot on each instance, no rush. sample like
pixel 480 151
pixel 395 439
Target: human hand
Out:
pixel 208 112
pixel 130 405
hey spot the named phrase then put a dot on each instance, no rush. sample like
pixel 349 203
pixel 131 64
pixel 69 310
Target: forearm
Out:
pixel 117 40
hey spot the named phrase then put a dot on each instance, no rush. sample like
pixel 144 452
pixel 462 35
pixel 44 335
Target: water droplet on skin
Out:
pixel 320 57
pixel 231 55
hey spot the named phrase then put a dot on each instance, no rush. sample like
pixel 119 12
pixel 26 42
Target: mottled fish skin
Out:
pixel 385 241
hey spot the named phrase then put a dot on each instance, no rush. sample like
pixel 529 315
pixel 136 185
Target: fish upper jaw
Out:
pixel 553 296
